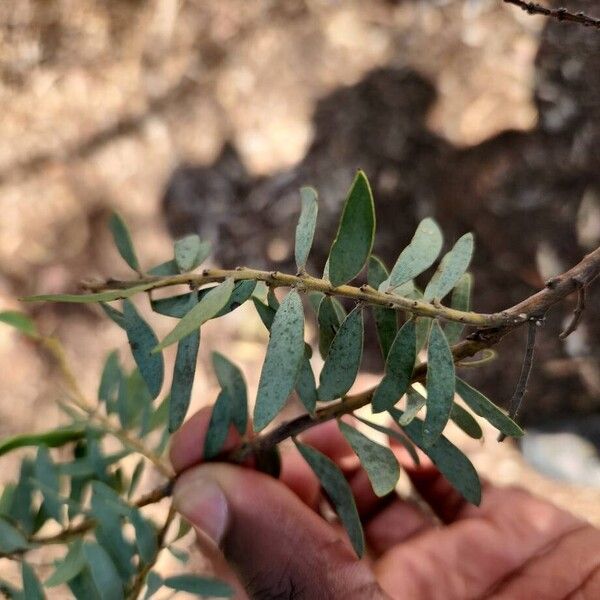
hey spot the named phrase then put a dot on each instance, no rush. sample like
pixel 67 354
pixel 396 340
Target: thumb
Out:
pixel 279 547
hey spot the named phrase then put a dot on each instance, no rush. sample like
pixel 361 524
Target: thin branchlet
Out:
pixel 560 14
pixel 577 314
pixel 521 389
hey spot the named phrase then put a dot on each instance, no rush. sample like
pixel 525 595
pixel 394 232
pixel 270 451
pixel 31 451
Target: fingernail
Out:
pixel 202 502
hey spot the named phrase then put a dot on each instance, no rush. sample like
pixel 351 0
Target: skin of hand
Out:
pixel 269 540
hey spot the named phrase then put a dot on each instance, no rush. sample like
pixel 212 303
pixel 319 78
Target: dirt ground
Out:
pixel 101 101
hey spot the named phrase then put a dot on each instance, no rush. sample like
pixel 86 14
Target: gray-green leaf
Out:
pixel 46 473
pixel 206 309
pixel 67 568
pixel 354 240
pixel 393 434
pixel 343 361
pixel 378 461
pixel 142 340
pixel 451 462
pixel 338 490
pixel 116 316
pixel 305 231
pixel 419 255
pixel 32 588
pixel 329 321
pixel 190 252
pixel 183 375
pixel 122 239
pixel 108 296
pixel 440 384
pixel 451 269
pixel 11 539
pixel 485 408
pixel 282 362
pixel 201 586
pixel 218 426
pixel 306 387
pixel 461 300
pixel 386 323
pixel 104 574
pixel 398 368
pixel 51 439
pixel 232 381
pixel 463 419
pixel 19 321
pixel 414 403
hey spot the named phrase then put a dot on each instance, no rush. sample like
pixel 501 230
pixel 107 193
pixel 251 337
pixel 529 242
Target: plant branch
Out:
pixel 305 282
pixel 140 578
pixel 561 14
pixel 77 398
pixel 521 389
pixel 577 314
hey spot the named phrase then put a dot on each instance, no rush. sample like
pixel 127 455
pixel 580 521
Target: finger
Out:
pixel 299 553
pixel 396 523
pixel 469 556
pixel 187 443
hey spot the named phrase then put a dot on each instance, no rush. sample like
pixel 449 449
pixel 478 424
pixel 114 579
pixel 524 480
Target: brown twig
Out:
pixel 521 389
pixel 561 14
pixel 577 314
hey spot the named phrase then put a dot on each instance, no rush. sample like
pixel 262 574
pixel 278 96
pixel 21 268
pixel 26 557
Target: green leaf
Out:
pixel 133 399
pixel 122 239
pixel 423 329
pixel 153 583
pixel 46 474
pixel 440 384
pixel 266 313
pixel 110 380
pixel 343 361
pixel 32 588
pixel 183 375
pixel 485 408
pixel 142 340
pixel 103 571
pixel 451 462
pixel 385 318
pixel 329 322
pixel 178 306
pixel 11 539
pixel 378 461
pixel 398 368
pixel 108 296
pixel 21 510
pixel 339 492
pixel 306 387
pixel 419 255
pixel 20 321
pixel 414 403
pixel 282 362
pixel 159 416
pixel 461 300
pixel 164 269
pixel 354 240
pixel 396 435
pixel 136 476
pixel 232 381
pixel 145 536
pixel 272 299
pixel 190 252
pixel 206 309
pixel 51 439
pixel 305 231
pixel 314 299
pixel 218 428
pixel 70 566
pixel 109 511
pixel 116 316
pixel 466 421
pixel 201 586
pixel 82 586
pixel 451 269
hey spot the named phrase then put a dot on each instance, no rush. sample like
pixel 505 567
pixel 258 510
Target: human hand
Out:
pixel 513 546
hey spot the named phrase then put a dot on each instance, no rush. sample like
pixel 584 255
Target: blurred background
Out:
pixel 208 115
